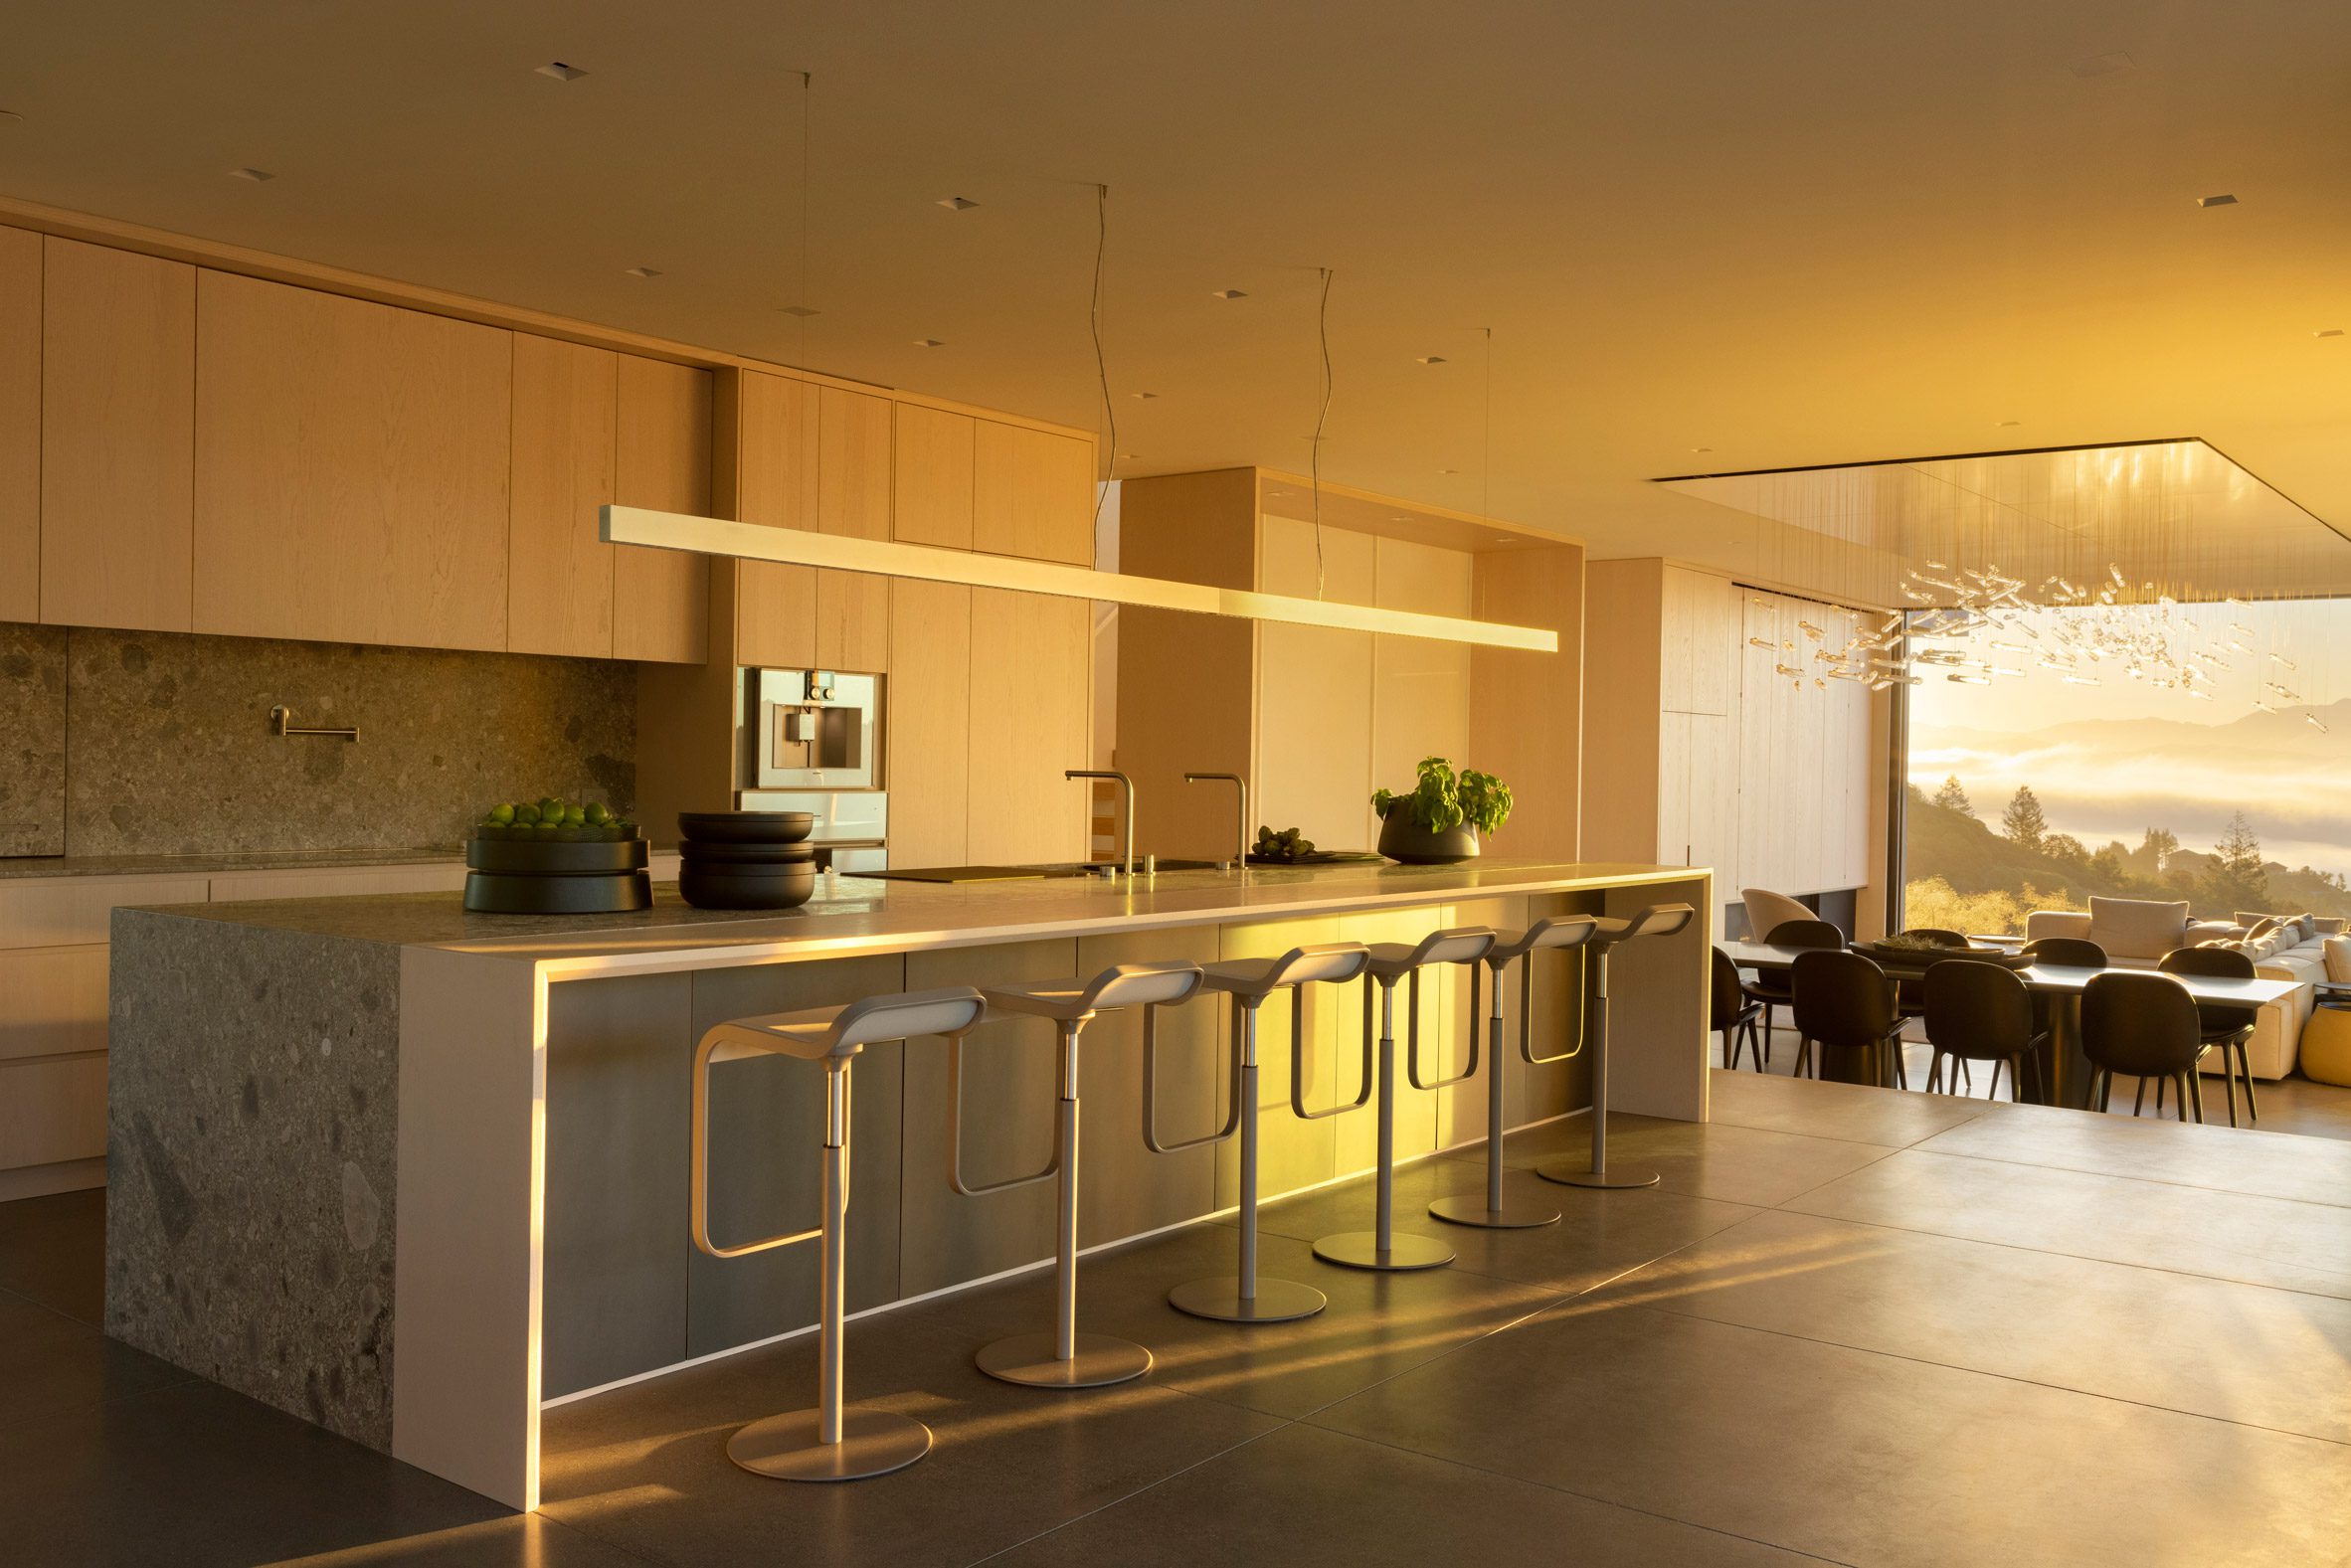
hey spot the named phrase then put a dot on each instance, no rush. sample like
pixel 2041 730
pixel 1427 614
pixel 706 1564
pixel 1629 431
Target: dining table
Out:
pixel 2065 1072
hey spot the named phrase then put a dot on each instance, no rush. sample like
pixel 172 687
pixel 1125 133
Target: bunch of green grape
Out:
pixel 563 822
pixel 1289 844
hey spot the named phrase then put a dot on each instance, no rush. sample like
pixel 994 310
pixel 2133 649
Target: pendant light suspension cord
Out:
pixel 808 81
pixel 1109 416
pixel 1485 457
pixel 1315 451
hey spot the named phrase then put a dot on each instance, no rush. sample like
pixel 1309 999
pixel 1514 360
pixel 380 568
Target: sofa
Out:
pixel 2137 933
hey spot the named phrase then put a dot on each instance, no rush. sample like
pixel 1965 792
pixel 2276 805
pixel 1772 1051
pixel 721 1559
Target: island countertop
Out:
pixel 852 915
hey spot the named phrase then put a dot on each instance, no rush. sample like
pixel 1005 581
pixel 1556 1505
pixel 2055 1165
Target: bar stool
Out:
pixel 824 1443
pixel 1243 1298
pixel 1658 920
pixel 1391 962
pixel 1489 1209
pixel 1063 1358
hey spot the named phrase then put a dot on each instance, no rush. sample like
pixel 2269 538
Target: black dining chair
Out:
pixel 1936 933
pixel 1910 993
pixel 1845 1000
pixel 2066 952
pixel 1773 989
pixel 1978 1011
pixel 2227 1029
pixel 1734 1015
pixel 2146 1026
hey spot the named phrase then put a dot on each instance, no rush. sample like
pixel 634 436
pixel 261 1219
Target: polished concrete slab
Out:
pixel 1852 1325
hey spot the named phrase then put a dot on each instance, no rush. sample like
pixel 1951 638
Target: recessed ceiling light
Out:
pixel 2215 201
pixel 1130 454
pixel 2328 332
pixel 929 342
pixel 2007 425
pixel 796 311
pixel 1702 449
pixel 1147 396
pixel 1229 293
pixel 2104 65
pixel 1428 359
pixel 1448 470
pixel 561 72
pixel 957 204
pixel 257 176
pixel 640 271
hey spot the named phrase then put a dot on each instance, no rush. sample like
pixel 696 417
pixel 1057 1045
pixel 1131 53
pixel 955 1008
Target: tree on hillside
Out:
pixel 2022 824
pixel 2112 863
pixel 2064 849
pixel 2236 879
pixel 1954 799
pixel 2157 848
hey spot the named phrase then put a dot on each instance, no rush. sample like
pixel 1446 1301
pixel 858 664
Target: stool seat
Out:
pixel 818 1032
pixel 1552 931
pixel 1658 919
pixel 1078 999
pixel 1392 960
pixel 1254 980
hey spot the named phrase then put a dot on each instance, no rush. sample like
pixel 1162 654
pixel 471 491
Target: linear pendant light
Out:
pixel 718 536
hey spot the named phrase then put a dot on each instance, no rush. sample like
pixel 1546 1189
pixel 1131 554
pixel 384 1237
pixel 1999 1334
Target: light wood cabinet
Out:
pixel 559 580
pixel 1032 493
pixel 20 425
pixel 768 445
pixel 351 469
pixel 854 477
pixel 661 598
pixel 117 437
pixel 929 697
pixel 1031 676
pixel 932 457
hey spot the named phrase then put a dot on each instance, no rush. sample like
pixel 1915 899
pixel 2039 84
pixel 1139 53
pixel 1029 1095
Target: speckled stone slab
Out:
pixel 32 740
pixel 250 1141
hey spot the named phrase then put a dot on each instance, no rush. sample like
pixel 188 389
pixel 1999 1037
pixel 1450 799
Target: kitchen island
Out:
pixel 409 1173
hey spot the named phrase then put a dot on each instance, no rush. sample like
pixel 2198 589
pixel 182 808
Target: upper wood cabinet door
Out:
pixel 932 457
pixel 20 425
pixel 852 498
pixel 929 729
pixel 1031 719
pixel 350 469
pixel 661 598
pixel 1032 493
pixel 559 573
pixel 117 437
pixel 768 463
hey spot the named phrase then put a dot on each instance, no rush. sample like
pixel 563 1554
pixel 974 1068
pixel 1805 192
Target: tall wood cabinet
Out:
pixel 661 460
pixel 20 425
pixel 559 593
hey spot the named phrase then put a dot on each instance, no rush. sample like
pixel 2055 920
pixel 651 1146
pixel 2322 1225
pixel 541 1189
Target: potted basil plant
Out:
pixel 1438 823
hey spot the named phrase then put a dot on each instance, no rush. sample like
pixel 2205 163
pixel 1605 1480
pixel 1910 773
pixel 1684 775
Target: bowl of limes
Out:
pixel 553 856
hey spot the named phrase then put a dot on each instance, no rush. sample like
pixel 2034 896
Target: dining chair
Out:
pixel 1772 988
pixel 2144 1025
pixel 1910 993
pixel 2066 952
pixel 1735 1014
pixel 1843 999
pixel 2227 1028
pixel 1978 1011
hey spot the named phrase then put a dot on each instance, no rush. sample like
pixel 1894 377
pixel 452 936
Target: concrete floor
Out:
pixel 1850 1324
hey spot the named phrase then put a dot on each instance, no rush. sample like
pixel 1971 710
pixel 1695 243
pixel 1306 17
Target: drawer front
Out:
pixel 53 1001
pixel 52 1109
pixel 336 882
pixel 62 912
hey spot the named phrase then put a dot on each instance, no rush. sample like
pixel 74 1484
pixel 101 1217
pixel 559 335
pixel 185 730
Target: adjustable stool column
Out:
pixel 1243 1298
pixel 1064 1358
pixel 1489 1209
pixel 1658 920
pixel 1380 1247
pixel 824 1443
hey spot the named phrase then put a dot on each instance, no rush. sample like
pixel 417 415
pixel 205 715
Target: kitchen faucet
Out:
pixel 1126 809
pixel 1240 816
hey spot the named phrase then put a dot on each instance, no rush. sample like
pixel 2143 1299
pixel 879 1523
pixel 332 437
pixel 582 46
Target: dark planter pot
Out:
pixel 1403 841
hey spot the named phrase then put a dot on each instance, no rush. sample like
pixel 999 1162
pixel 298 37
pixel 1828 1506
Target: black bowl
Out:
pixel 549 857
pixel 746 827
pixel 738 887
pixel 747 855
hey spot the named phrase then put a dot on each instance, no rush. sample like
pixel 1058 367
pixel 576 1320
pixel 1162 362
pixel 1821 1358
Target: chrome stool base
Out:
pixel 1095 1360
pixel 1607 1180
pixel 1276 1300
pixel 872 1443
pixel 1361 1249
pixel 1469 1209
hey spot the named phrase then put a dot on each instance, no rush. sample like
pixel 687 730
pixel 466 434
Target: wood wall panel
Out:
pixel 1527 711
pixel 559 588
pixel 1315 693
pixel 351 465
pixel 1623 652
pixel 52 1108
pixel 56 1001
pixel 1031 676
pixel 20 425
pixel 117 437
pixel 1700 627
pixel 933 462
pixel 853 481
pixel 928 734
pixel 661 459
pixel 1420 687
pixel 1032 493
pixel 770 427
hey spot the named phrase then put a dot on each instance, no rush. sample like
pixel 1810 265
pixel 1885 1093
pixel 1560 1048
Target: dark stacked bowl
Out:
pixel 575 874
pixel 746 859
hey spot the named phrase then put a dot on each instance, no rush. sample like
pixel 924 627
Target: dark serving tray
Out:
pixel 1919 959
pixel 1319 858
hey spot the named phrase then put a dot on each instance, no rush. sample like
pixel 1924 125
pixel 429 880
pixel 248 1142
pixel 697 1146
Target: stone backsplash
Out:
pixel 161 741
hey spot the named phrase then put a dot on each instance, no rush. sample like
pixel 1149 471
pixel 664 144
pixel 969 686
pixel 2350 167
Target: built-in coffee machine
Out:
pixel 812 741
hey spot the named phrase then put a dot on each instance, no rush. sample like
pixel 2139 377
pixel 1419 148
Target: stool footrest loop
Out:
pixel 1298 1061
pixel 1412 1034
pixel 955 1123
pixel 836 1090
pixel 1150 1081
pixel 1526 1051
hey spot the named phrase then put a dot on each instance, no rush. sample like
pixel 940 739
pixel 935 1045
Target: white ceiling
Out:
pixel 1808 232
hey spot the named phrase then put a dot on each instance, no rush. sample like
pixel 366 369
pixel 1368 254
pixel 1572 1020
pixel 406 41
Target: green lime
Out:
pixel 546 829
pixel 526 813
pixel 599 813
pixel 503 813
pixel 574 817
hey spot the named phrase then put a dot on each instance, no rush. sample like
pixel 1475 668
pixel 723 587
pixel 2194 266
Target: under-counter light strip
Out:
pixel 718 536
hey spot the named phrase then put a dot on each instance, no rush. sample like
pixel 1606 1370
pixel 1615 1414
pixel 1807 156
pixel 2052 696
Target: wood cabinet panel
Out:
pixel 928 734
pixel 52 1109
pixel 68 911
pixel 1701 626
pixel 56 1001
pixel 1315 695
pixel 351 465
pixel 20 425
pixel 661 598
pixel 776 461
pixel 336 882
pixel 559 573
pixel 853 478
pixel 932 458
pixel 1032 493
pixel 117 437
pixel 1031 679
